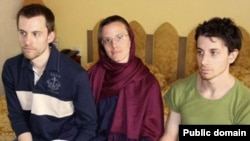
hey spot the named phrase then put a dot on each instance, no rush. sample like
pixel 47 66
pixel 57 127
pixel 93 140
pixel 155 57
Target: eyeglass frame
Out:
pixel 117 38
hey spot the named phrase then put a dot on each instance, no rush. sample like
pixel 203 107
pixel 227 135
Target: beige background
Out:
pixel 75 17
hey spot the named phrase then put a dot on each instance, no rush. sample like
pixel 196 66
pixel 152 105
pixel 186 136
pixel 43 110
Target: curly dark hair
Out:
pixel 223 28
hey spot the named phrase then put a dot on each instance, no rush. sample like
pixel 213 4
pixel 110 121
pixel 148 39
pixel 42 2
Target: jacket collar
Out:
pixel 53 62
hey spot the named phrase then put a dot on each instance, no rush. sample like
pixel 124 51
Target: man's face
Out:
pixel 34 37
pixel 213 57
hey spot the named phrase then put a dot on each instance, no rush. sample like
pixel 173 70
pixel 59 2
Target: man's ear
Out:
pixel 233 55
pixel 51 36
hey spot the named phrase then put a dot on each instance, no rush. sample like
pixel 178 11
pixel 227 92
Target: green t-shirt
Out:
pixel 233 108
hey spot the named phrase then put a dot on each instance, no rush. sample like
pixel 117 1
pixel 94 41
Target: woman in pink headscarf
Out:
pixel 127 95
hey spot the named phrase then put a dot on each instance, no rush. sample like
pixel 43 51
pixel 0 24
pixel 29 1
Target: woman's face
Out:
pixel 116 42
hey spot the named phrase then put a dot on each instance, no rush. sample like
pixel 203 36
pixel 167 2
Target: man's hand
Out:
pixel 26 136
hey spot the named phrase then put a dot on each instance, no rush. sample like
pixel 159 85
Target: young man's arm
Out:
pixel 172 127
pixel 16 114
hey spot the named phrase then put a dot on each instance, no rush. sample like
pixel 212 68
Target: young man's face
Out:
pixel 34 37
pixel 118 46
pixel 213 58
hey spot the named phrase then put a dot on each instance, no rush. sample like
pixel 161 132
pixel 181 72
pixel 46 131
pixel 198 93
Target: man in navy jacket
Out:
pixel 48 94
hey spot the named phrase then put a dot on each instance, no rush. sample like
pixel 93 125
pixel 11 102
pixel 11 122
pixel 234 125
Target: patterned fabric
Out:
pixel 6 132
pixel 242 74
pixel 165 51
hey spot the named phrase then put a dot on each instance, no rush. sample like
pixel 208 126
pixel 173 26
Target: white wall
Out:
pixel 8 33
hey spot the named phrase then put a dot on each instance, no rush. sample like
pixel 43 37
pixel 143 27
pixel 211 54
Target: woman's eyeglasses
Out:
pixel 117 38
